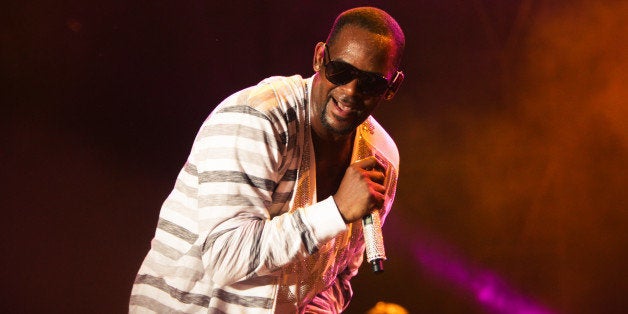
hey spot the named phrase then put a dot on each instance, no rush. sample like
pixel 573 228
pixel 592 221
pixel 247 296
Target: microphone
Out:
pixel 374 240
pixel 372 230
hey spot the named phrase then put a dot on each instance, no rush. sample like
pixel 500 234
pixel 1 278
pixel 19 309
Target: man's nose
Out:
pixel 351 88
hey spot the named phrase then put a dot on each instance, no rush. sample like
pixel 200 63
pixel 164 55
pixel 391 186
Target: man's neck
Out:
pixel 332 159
pixel 333 146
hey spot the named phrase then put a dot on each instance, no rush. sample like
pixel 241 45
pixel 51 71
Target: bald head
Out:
pixel 373 20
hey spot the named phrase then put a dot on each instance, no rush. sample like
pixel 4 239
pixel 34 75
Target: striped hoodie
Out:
pixel 242 230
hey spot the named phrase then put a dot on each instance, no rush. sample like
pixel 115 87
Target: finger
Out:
pixel 378 198
pixel 371 162
pixel 377 176
pixel 379 188
pixel 367 163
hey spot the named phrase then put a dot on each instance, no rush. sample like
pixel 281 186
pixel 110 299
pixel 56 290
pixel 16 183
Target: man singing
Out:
pixel 266 214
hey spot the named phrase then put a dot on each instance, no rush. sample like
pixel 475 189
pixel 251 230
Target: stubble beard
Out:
pixel 325 122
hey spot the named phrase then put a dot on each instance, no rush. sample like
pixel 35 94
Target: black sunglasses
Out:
pixel 369 83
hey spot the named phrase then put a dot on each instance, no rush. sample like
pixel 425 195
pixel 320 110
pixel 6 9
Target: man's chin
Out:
pixel 336 125
pixel 344 129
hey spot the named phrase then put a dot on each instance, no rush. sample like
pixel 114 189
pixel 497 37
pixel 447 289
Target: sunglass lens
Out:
pixel 372 84
pixel 339 73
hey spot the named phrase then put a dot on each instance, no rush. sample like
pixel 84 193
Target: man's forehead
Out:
pixel 365 50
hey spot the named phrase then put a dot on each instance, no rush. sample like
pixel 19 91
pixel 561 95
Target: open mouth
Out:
pixel 342 110
pixel 341 106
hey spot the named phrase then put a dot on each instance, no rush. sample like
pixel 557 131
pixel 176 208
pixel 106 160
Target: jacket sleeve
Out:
pixel 237 155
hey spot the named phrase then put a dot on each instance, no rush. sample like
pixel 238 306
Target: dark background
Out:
pixel 511 127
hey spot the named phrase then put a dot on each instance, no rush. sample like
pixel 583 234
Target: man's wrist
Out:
pixel 325 219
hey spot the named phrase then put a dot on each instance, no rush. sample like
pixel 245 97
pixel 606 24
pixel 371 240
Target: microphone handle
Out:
pixel 374 240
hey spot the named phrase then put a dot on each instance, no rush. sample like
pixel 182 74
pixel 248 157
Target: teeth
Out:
pixel 340 105
pixel 343 107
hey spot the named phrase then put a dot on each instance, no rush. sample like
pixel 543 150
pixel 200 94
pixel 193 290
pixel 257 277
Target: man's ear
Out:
pixel 394 86
pixel 317 61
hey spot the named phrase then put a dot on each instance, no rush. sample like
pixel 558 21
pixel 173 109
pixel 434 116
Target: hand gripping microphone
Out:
pixel 372 229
